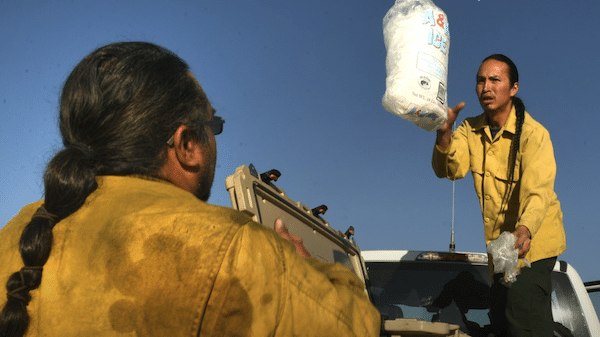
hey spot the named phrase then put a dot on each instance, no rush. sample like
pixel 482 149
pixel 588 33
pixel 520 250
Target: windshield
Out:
pixel 456 293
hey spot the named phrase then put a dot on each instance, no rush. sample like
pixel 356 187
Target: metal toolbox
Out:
pixel 257 196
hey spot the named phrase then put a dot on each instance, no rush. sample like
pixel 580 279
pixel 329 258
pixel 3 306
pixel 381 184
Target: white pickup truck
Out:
pixel 408 284
pixel 404 285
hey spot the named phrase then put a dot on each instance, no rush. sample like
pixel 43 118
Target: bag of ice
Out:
pixel 417 40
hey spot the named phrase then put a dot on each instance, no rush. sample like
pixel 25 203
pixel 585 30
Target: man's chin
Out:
pixel 205 197
pixel 202 194
pixel 485 105
pixel 203 191
pixel 488 108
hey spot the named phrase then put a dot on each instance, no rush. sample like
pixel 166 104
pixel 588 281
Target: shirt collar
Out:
pixel 510 125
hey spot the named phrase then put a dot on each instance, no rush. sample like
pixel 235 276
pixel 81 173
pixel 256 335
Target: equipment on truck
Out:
pixel 439 294
pixel 257 196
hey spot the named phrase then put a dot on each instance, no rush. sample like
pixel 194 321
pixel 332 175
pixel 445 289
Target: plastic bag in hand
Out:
pixel 505 256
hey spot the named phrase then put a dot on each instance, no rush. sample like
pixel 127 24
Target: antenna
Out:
pixel 452 245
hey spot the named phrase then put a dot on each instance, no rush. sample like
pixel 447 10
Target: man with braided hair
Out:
pixel 511 159
pixel 124 243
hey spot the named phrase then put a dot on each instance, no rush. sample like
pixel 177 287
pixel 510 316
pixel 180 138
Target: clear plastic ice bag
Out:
pixel 417 40
pixel 505 256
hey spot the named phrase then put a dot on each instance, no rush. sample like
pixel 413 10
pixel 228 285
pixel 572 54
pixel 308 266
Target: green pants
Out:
pixel 524 308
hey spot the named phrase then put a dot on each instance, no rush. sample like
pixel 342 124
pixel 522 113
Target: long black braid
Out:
pixel 520 110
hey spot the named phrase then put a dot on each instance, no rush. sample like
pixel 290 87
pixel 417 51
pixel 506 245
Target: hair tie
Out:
pixel 43 213
pixel 15 293
pixel 40 268
pixel 86 150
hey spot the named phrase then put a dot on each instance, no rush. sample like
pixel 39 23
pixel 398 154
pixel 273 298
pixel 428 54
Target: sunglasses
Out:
pixel 215 124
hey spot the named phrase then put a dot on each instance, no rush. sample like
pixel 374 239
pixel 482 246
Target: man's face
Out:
pixel 493 87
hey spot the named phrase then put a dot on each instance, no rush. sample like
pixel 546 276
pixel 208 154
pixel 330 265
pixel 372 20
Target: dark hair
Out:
pixel 513 76
pixel 118 108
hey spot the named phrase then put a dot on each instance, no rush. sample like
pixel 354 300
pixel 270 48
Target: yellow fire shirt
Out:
pixel 532 203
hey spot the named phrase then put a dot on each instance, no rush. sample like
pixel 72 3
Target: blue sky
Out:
pixel 300 85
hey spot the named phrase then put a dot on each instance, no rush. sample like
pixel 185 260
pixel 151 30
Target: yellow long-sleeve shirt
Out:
pixel 532 203
pixel 145 258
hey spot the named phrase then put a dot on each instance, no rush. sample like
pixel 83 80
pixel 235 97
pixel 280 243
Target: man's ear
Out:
pixel 187 149
pixel 514 90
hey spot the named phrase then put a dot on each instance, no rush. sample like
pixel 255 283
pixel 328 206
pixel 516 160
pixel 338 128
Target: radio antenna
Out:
pixel 452 245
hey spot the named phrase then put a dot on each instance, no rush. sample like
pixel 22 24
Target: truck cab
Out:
pixel 453 288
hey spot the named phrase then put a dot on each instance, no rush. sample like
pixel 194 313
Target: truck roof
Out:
pixel 416 255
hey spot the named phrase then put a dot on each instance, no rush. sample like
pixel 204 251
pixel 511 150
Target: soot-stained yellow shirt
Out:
pixel 145 258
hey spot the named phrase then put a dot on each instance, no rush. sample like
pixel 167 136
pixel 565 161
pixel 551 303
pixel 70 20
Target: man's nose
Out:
pixel 485 87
